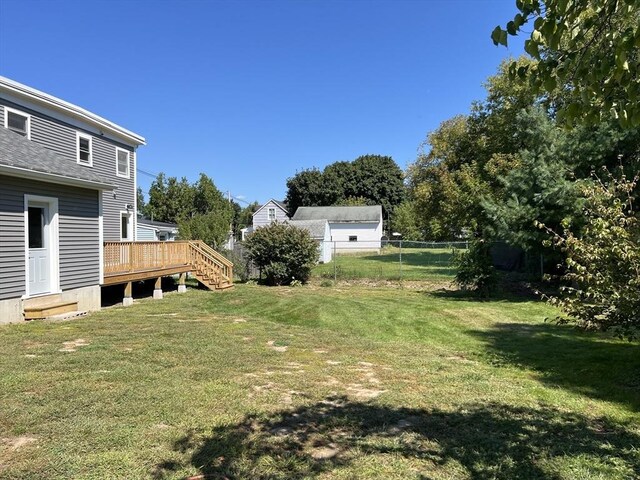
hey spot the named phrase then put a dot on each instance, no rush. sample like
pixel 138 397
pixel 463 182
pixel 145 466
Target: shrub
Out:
pixel 475 268
pixel 241 265
pixel 602 278
pixel 283 252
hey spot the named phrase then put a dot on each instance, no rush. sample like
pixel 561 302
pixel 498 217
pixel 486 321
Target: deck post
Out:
pixel 182 287
pixel 128 295
pixel 157 292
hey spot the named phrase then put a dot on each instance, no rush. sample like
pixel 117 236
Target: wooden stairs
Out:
pixel 49 306
pixel 209 267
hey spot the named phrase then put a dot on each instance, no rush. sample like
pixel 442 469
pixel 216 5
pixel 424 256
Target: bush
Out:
pixel 602 279
pixel 475 268
pixel 241 265
pixel 284 253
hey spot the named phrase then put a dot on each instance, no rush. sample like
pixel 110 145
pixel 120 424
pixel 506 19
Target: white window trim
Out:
pixel 54 242
pixel 86 137
pixel 18 112
pixel 128 175
pixel 275 214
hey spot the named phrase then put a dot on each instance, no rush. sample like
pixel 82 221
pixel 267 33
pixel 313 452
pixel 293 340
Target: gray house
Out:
pixel 271 212
pixel 67 184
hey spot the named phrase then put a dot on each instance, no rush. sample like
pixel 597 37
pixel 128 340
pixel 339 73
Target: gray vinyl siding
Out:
pixel 79 236
pixel 261 218
pixel 61 138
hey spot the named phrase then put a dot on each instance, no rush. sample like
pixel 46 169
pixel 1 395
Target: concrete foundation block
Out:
pixel 127 301
pixel 157 294
pixel 182 288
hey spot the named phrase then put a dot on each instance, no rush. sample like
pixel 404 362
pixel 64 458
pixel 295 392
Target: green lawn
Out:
pixel 417 264
pixel 312 382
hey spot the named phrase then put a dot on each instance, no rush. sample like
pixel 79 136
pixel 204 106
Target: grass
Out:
pixel 417 264
pixel 316 382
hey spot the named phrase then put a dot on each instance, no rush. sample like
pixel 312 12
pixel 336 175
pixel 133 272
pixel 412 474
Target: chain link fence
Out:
pixel 391 260
pixel 396 260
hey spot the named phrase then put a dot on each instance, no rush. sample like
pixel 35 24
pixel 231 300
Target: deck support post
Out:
pixel 128 295
pixel 182 287
pixel 157 292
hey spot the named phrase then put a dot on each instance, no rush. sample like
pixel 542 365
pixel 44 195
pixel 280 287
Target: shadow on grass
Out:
pixel 499 294
pixel 562 356
pixel 485 441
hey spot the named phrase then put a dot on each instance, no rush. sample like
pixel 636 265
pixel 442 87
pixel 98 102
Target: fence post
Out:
pixel 401 260
pixel 335 260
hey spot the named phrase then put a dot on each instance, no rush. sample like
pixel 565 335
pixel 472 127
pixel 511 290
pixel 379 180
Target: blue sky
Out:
pixel 251 92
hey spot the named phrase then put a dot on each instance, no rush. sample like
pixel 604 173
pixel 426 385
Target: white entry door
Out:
pixel 39 243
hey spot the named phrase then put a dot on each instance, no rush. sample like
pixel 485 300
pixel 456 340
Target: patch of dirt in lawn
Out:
pixel 239 320
pixel 324 453
pixel 14 443
pixel 73 345
pixel 359 392
pixel 319 351
pixel 277 348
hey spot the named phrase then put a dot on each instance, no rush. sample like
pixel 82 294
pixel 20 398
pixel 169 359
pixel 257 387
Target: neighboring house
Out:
pixel 270 212
pixel 67 183
pixel 352 228
pixel 320 232
pixel 150 230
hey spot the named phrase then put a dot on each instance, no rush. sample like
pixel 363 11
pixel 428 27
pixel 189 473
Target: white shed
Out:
pixel 319 231
pixel 353 229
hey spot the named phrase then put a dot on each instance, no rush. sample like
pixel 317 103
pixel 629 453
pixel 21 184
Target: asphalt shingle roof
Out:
pixel 315 227
pixel 18 151
pixel 340 214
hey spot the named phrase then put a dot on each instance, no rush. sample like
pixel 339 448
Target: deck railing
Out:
pixel 134 257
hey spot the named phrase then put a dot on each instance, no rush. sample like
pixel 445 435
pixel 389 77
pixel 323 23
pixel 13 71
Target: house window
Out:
pixel 84 147
pixel 272 214
pixel 353 238
pixel 122 163
pixel 18 122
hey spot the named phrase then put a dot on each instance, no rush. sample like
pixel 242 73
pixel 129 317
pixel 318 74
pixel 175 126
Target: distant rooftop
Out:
pixel 340 214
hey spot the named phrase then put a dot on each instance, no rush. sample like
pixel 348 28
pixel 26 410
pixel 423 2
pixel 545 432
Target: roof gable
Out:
pixel 275 203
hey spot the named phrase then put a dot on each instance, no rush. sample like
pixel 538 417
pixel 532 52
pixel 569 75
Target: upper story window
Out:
pixel 272 214
pixel 84 154
pixel 17 121
pixel 122 163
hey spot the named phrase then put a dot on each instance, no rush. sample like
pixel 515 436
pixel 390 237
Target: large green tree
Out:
pixel 368 180
pixel 590 48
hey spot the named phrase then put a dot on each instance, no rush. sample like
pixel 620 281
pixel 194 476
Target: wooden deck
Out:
pixel 126 262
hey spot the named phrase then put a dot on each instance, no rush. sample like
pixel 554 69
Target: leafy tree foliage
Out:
pixel 245 216
pixel 200 210
pixel 141 204
pixel 602 279
pixel 591 48
pixel 310 188
pixel 368 180
pixel 170 199
pixel 475 271
pixel 405 221
pixel 283 253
